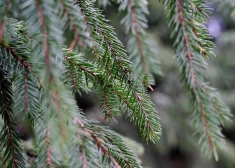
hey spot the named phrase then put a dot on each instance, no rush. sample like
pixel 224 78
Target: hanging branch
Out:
pixel 141 47
pixel 75 23
pixel 9 134
pixel 25 90
pixel 53 102
pixel 193 45
pixel 120 68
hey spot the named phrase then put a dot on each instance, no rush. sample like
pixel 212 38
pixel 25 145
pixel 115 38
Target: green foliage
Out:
pixel 141 47
pixel 41 69
pixel 193 45
pixel 9 133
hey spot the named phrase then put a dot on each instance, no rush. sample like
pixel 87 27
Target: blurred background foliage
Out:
pixel 177 147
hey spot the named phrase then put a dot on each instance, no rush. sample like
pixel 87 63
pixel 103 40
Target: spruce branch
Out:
pixel 74 27
pixel 141 47
pixel 193 45
pixel 75 23
pixel 138 104
pixel 103 30
pixel 17 57
pixel 45 37
pixel 111 49
pixel 10 141
pixel 103 138
pixel 36 51
pixel 26 85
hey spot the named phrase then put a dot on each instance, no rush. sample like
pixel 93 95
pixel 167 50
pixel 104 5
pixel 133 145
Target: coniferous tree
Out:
pixel 41 69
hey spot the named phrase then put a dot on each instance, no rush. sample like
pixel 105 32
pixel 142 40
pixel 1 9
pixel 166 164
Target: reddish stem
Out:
pixel 84 160
pixel 186 41
pixel 19 58
pixel 7 119
pixel 48 149
pixel 206 126
pixel 88 27
pixel 215 106
pixel 202 48
pixel 46 41
pixel 76 32
pixel 192 73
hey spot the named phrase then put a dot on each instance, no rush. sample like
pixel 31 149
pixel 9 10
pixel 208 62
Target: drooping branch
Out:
pixel 9 133
pixel 72 24
pixel 193 46
pixel 193 82
pixel 45 38
pixel 141 47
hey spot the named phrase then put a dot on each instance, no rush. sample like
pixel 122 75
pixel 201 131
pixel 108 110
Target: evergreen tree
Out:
pixel 41 68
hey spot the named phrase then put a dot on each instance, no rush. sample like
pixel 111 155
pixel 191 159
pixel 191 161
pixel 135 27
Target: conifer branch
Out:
pixel 193 82
pixel 100 28
pixel 25 92
pixel 9 134
pixel 75 23
pixel 80 4
pixel 17 57
pixel 45 37
pixel 120 65
pixel 193 46
pixel 141 47
pixel 135 111
pixel 99 142
pixel 103 139
pixel 76 32
pixel 36 50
